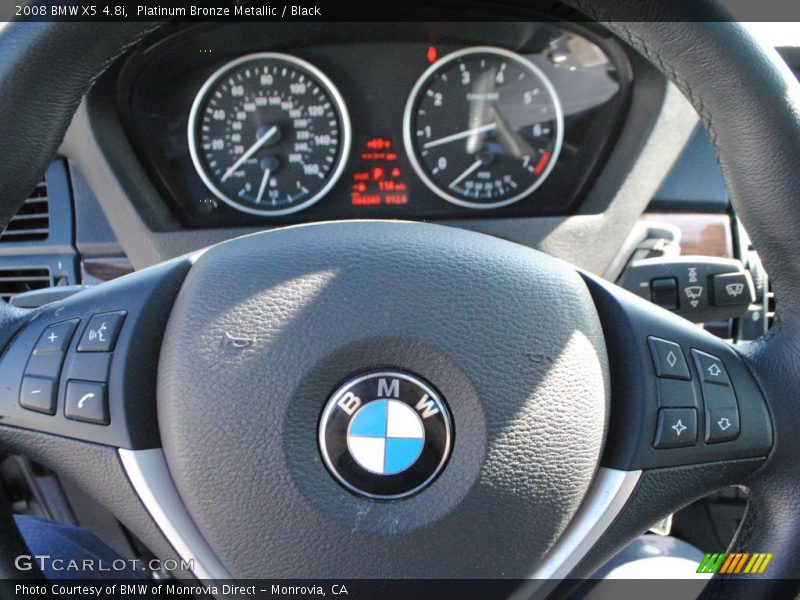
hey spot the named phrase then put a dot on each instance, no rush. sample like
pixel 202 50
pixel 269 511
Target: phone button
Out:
pixel 87 401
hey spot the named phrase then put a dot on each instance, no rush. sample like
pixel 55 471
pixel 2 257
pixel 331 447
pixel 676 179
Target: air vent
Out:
pixel 32 222
pixel 16 281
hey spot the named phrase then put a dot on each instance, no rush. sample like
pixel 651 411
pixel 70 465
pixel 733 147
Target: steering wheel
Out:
pixel 216 379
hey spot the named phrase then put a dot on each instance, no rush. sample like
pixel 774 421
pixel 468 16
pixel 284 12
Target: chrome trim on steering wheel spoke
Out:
pixel 149 475
pixel 607 496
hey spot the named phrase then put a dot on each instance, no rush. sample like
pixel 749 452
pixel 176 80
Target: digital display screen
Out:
pixel 378 179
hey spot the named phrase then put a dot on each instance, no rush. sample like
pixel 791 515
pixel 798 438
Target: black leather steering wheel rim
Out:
pixel 762 193
pixel 727 76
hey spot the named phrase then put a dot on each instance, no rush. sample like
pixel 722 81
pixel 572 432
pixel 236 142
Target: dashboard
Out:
pixel 254 124
pixel 565 161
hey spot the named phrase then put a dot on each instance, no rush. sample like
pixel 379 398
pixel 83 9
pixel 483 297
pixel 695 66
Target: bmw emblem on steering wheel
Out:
pixel 385 434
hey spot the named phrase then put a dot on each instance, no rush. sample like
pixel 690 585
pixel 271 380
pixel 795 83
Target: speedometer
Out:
pixel 483 127
pixel 269 134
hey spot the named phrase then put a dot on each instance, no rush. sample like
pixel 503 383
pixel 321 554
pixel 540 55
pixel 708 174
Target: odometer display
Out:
pixel 483 127
pixel 269 134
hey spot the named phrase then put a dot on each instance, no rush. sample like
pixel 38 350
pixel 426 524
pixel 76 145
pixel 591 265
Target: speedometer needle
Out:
pixel 264 180
pixel 252 150
pixel 466 173
pixel 460 135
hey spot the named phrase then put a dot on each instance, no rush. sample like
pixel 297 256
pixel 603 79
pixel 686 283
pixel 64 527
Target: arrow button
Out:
pixel 711 368
pixel 722 425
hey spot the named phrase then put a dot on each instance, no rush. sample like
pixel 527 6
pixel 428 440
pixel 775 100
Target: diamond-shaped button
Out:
pixel 671 358
pixel 668 359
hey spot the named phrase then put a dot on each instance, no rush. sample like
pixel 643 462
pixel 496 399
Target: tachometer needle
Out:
pixel 252 150
pixel 466 173
pixel 460 135
pixel 263 186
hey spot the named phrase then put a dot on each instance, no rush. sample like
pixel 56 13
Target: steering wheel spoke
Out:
pixel 680 395
pixel 686 418
pixel 85 367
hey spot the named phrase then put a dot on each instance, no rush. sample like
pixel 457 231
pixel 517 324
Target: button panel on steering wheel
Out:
pixel 683 395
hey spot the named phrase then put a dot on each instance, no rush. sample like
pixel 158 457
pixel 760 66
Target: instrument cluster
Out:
pixel 425 122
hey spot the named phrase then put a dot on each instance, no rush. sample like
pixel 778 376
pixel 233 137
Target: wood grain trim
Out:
pixel 701 234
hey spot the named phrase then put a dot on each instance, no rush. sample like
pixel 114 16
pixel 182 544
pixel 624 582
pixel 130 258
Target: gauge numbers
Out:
pixel 483 127
pixel 269 134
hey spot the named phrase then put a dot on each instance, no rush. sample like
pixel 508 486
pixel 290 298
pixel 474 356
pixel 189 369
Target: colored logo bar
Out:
pixel 734 562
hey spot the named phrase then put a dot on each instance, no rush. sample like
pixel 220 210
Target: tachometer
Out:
pixel 269 134
pixel 483 127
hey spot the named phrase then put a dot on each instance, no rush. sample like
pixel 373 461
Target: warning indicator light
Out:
pixel 432 55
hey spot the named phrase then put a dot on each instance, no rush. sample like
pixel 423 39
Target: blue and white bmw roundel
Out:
pixel 385 435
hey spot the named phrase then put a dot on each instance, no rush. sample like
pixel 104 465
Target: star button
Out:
pixel 679 427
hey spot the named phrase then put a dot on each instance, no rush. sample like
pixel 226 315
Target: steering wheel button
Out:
pixel 711 368
pixel 668 359
pixel 55 338
pixel 39 394
pixel 664 292
pixel 733 289
pixel 101 333
pixel 87 401
pixel 722 424
pixel 677 428
pixel 45 365
pixel 90 366
pixel 675 393
pixel 718 396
